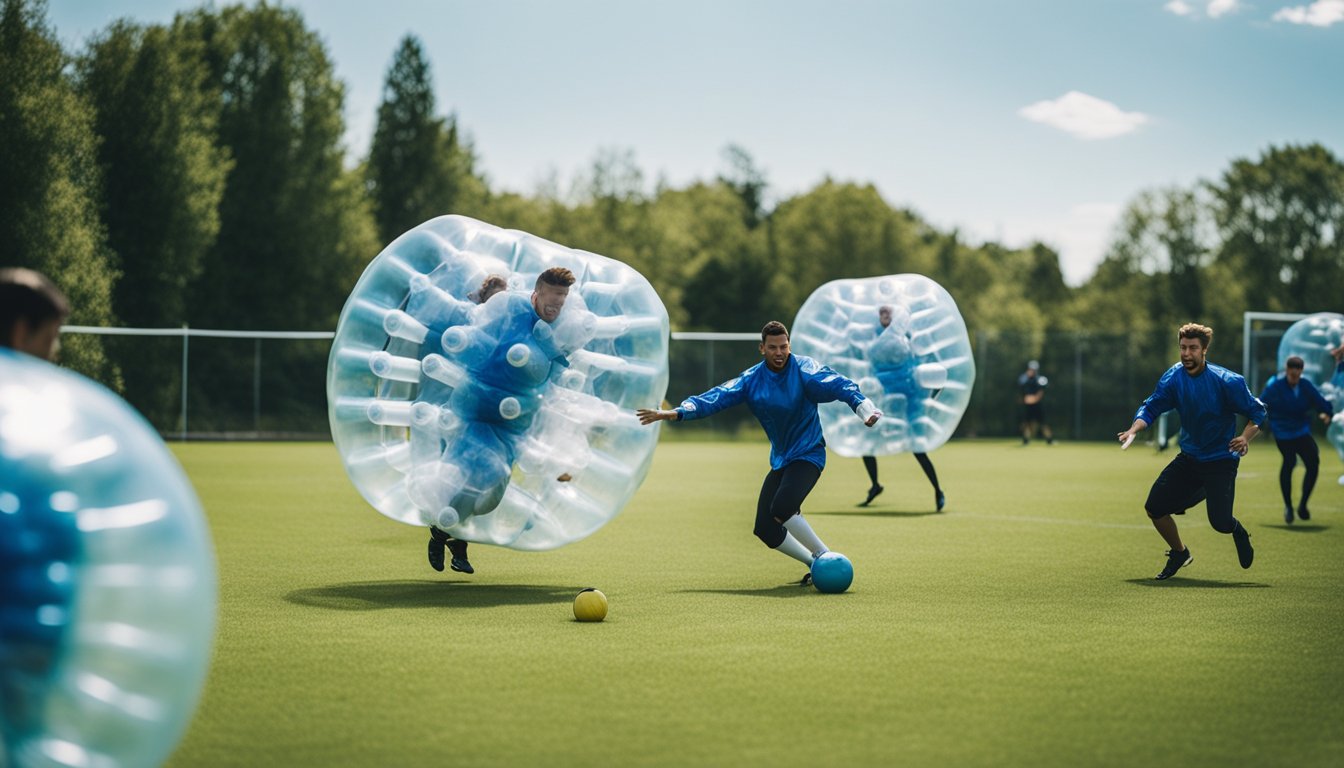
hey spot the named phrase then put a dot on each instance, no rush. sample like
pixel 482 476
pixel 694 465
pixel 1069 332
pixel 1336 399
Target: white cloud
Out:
pixel 1321 13
pixel 1178 7
pixel 1217 8
pixel 1086 117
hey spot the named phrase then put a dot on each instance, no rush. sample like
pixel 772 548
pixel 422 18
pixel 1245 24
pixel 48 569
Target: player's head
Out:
pixel 550 292
pixel 1292 369
pixel 489 287
pixel 884 315
pixel 775 345
pixel 32 309
pixel 1193 340
pixel 1033 366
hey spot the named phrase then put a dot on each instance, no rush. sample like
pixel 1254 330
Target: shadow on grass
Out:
pixel 1310 528
pixel 377 595
pixel 1181 583
pixel 792 589
pixel 870 512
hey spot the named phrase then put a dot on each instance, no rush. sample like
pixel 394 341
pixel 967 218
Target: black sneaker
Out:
pixel 940 500
pixel 436 546
pixel 1175 562
pixel 872 494
pixel 1288 515
pixel 1303 513
pixel 806 580
pixel 460 562
pixel 1245 552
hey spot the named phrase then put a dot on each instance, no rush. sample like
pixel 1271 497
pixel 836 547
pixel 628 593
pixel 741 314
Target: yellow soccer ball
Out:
pixel 590 605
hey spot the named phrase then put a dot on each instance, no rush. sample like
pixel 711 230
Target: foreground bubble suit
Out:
pixel 107 578
pixel 481 418
pixel 1311 339
pixel 918 370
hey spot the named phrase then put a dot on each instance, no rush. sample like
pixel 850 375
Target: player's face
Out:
pixel 1192 355
pixel 1293 375
pixel 549 299
pixel 884 316
pixel 42 340
pixel 775 350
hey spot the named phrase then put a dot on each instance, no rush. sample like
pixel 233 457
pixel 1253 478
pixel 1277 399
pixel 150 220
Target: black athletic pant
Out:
pixel 1185 482
pixel 1304 446
pixel 782 496
pixel 870 464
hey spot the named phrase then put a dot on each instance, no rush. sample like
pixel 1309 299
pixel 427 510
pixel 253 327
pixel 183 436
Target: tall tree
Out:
pixel 1281 221
pixel 49 179
pixel 418 166
pixel 163 175
pixel 295 228
pixel 747 182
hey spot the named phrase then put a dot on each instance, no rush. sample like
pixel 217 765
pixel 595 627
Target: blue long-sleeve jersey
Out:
pixel 1208 405
pixel 785 403
pixel 1288 409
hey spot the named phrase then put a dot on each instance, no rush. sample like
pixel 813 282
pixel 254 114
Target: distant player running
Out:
pixel 1208 397
pixel 782 393
pixel 1289 398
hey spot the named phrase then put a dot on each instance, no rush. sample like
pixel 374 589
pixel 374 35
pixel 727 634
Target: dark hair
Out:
pixel 1295 362
pixel 29 296
pixel 773 328
pixel 555 276
pixel 489 287
pixel 1196 331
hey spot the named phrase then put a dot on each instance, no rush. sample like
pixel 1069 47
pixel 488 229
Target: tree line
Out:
pixel 194 173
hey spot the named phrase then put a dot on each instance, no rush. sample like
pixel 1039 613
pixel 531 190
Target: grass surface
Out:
pixel 1020 627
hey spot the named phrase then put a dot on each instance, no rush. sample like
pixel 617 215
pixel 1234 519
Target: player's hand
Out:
pixel 650 415
pixel 1126 437
pixel 1239 445
pixel 1325 418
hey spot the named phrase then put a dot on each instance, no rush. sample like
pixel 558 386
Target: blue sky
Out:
pixel 1034 119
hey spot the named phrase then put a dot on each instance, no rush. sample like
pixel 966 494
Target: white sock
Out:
pixel 792 548
pixel 803 532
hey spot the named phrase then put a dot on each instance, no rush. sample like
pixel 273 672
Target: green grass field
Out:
pixel 1020 627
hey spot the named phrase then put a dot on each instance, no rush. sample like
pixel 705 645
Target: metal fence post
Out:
pixel 185 337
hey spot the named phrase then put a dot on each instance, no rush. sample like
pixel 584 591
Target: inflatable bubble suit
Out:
pixel 481 418
pixel 1311 339
pixel 918 370
pixel 107 577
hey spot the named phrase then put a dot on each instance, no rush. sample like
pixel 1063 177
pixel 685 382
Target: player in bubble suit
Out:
pixel 439 539
pixel 1208 398
pixel 894 366
pixel 488 447
pixel 782 392
pixel 1289 397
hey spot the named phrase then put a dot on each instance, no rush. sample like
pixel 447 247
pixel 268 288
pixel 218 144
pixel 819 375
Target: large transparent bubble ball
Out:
pixel 477 417
pixel 1311 339
pixel 918 370
pixel 107 577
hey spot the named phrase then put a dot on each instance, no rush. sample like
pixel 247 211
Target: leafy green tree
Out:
pixel 747 182
pixel 418 166
pixel 295 227
pixel 163 176
pixel 49 179
pixel 1281 223
pixel 839 230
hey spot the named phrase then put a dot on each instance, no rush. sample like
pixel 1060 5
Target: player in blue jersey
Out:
pixel 489 445
pixel 782 392
pixel 1208 398
pixel 1289 398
